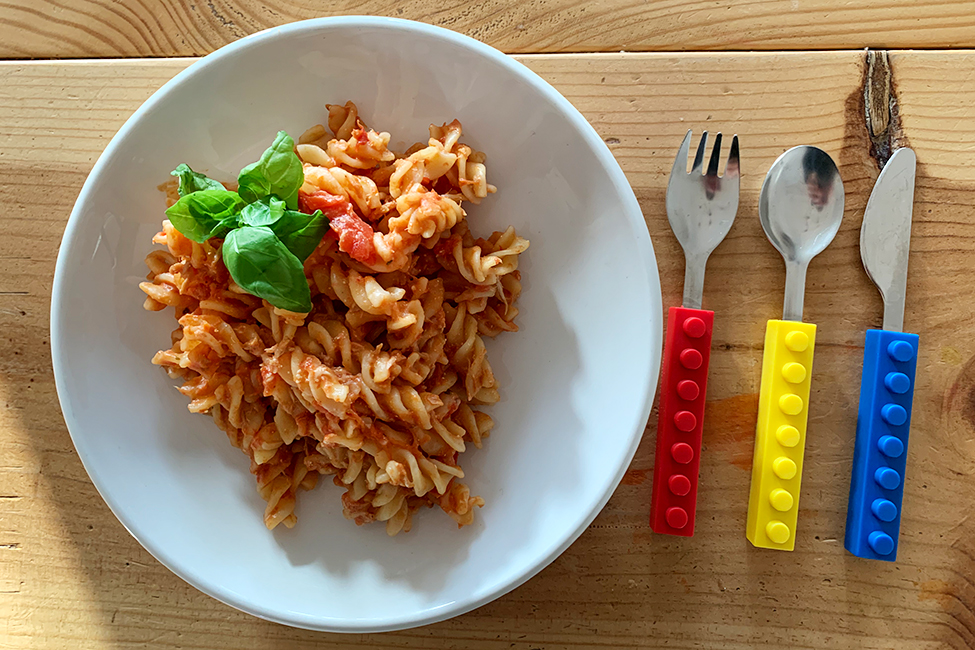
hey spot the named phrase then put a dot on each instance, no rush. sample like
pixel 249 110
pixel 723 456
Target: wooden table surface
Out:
pixel 72 577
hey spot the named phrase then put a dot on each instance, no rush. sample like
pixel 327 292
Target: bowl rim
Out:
pixel 645 250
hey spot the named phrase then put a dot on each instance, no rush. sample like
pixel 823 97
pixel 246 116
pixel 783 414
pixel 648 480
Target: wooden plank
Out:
pixel 108 28
pixel 70 576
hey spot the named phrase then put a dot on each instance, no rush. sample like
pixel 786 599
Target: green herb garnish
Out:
pixel 278 172
pixel 206 213
pixel 260 263
pixel 262 212
pixel 266 240
pixel 191 181
pixel 301 232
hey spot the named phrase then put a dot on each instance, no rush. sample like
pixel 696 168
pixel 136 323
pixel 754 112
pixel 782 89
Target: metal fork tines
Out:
pixel 701 207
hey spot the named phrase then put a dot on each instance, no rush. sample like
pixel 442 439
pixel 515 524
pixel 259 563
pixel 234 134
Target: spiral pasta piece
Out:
pixel 360 190
pixel 425 213
pixel 342 119
pixel 363 149
pixel 486 263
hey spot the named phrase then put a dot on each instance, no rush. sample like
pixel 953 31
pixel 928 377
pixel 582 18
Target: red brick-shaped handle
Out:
pixel 683 386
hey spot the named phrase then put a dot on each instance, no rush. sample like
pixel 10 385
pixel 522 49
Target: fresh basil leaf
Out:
pixel 264 267
pixel 263 212
pixel 205 214
pixel 301 233
pixel 191 181
pixel 252 184
pixel 278 172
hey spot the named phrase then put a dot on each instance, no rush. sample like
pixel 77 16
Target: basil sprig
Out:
pixel 266 240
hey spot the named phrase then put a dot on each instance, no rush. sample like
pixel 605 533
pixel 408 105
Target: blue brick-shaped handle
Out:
pixel 873 517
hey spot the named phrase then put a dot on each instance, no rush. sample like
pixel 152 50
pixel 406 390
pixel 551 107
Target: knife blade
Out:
pixel 885 236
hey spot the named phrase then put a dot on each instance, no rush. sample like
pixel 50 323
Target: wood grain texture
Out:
pixel 71 577
pixel 161 28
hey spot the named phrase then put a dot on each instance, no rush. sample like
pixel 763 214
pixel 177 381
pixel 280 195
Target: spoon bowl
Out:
pixel 801 208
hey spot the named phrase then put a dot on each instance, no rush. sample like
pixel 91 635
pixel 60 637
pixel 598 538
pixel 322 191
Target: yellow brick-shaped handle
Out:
pixel 780 438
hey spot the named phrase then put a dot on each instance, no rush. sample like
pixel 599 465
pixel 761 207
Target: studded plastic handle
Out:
pixel 780 436
pixel 684 383
pixel 873 516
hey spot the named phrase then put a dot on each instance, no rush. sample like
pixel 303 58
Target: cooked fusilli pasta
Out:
pixel 379 385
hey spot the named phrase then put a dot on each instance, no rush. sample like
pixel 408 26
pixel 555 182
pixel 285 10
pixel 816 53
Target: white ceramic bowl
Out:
pixel 577 380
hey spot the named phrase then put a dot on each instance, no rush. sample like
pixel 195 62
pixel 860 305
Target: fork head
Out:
pixel 701 205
